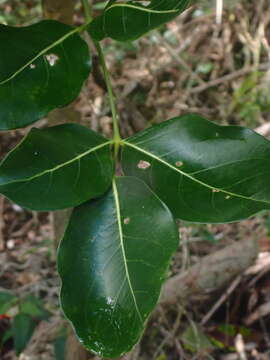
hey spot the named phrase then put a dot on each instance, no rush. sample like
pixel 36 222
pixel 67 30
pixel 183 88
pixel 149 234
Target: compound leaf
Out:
pixel 112 281
pixel 42 66
pixel 130 20
pixel 57 168
pixel 204 172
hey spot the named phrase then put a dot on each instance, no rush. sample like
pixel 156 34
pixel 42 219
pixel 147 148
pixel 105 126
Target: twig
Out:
pixel 177 57
pixel 229 77
pixel 261 311
pixel 219 11
pixel 221 300
pixel 212 272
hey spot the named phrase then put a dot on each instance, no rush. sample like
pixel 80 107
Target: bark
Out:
pixel 211 273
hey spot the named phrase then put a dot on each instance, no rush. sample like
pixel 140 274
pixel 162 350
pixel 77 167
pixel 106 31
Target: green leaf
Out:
pixel 22 328
pixel 7 300
pixel 57 168
pixel 129 21
pixel 195 340
pixel 112 281
pixel 59 345
pixel 34 307
pixel 204 172
pixel 42 67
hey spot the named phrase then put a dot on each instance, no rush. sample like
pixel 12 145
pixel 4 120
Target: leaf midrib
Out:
pixel 60 165
pixel 191 177
pixel 144 9
pixel 121 237
pixel 45 50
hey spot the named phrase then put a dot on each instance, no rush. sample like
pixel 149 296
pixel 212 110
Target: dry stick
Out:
pixel 221 300
pixel 212 272
pixel 229 77
pixel 261 311
pixel 177 57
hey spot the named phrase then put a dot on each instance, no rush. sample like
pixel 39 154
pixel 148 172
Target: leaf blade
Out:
pixel 129 21
pixel 37 71
pixel 69 162
pixel 202 170
pixel 121 279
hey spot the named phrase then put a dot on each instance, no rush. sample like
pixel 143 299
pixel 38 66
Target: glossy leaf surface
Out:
pixel 204 172
pixel 130 20
pixel 112 281
pixel 42 66
pixel 57 168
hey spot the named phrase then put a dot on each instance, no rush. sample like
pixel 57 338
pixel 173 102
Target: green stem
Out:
pixel 87 10
pixel 116 132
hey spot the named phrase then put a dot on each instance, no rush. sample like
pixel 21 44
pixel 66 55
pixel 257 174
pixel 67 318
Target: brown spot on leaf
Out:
pixel 179 163
pixel 52 59
pixel 32 66
pixel 143 165
pixel 127 221
pixel 215 190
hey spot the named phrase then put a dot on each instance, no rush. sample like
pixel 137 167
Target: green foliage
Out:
pixel 252 98
pixel 115 250
pixel 204 172
pixel 22 329
pixel 117 247
pixel 7 300
pixel 37 71
pixel 27 314
pixel 195 340
pixel 69 162
pixel 130 20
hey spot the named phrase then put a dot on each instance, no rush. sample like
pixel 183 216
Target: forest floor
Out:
pixel 193 64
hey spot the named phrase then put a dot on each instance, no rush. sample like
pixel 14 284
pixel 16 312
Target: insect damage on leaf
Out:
pixel 143 165
pixel 52 59
pixel 127 221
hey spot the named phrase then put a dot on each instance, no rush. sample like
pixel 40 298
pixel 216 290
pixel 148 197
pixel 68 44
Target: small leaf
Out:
pixel 7 300
pixel 22 328
pixel 112 281
pixel 129 21
pixel 57 168
pixel 59 345
pixel 34 307
pixel 204 172
pixel 195 340
pixel 42 67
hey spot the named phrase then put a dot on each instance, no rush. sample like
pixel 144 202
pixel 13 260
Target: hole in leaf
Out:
pixel 32 66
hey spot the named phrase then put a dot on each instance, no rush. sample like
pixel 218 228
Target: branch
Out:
pixel 229 77
pixel 211 273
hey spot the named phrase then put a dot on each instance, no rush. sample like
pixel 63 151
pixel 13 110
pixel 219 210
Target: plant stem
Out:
pixel 87 10
pixel 116 132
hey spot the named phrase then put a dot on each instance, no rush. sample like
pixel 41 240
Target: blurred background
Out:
pixel 214 60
